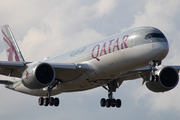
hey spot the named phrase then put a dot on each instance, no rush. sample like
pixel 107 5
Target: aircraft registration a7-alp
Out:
pixel 133 54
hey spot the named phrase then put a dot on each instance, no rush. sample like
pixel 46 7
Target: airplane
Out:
pixel 136 53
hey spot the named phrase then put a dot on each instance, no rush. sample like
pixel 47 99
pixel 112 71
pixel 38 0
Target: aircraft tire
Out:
pixel 41 101
pixel 108 103
pixel 46 101
pixel 51 101
pixel 156 78
pixel 113 102
pixel 118 103
pixel 56 102
pixel 103 102
pixel 151 78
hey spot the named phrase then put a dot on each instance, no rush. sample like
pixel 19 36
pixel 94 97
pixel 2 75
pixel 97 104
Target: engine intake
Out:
pixel 44 74
pixel 168 78
pixel 38 76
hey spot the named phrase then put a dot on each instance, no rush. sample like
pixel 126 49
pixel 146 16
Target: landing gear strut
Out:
pixel 153 65
pixel 49 100
pixel 110 102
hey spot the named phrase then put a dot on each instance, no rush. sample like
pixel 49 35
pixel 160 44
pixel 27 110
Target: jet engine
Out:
pixel 166 79
pixel 38 75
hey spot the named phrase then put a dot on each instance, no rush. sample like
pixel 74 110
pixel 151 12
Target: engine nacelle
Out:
pixel 38 76
pixel 167 79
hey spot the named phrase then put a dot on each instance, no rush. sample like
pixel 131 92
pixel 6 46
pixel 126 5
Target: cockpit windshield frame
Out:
pixel 154 35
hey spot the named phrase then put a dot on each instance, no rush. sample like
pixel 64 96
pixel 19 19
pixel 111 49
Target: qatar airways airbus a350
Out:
pixel 136 53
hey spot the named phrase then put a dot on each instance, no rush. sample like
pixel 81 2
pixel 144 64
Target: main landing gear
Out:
pixel 153 65
pixel 49 100
pixel 111 102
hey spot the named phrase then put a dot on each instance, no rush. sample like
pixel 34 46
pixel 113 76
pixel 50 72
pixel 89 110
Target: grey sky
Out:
pixel 47 28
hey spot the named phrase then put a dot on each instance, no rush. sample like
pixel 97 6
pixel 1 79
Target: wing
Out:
pixel 63 71
pixel 9 68
pixel 69 71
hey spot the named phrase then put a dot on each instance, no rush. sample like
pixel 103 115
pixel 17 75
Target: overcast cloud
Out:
pixel 47 28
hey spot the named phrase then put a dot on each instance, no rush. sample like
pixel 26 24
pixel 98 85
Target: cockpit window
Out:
pixel 154 35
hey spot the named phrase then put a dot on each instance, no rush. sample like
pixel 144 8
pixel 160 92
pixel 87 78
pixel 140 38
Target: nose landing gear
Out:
pixel 153 65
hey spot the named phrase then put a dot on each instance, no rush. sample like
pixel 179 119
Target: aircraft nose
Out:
pixel 162 49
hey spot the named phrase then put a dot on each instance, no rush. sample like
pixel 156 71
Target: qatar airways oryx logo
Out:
pixel 103 50
pixel 11 50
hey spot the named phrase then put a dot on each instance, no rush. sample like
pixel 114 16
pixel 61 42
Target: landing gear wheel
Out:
pixel 156 78
pixel 151 78
pixel 108 103
pixel 46 101
pixel 113 102
pixel 51 101
pixel 41 101
pixel 103 102
pixel 56 102
pixel 159 63
pixel 118 103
